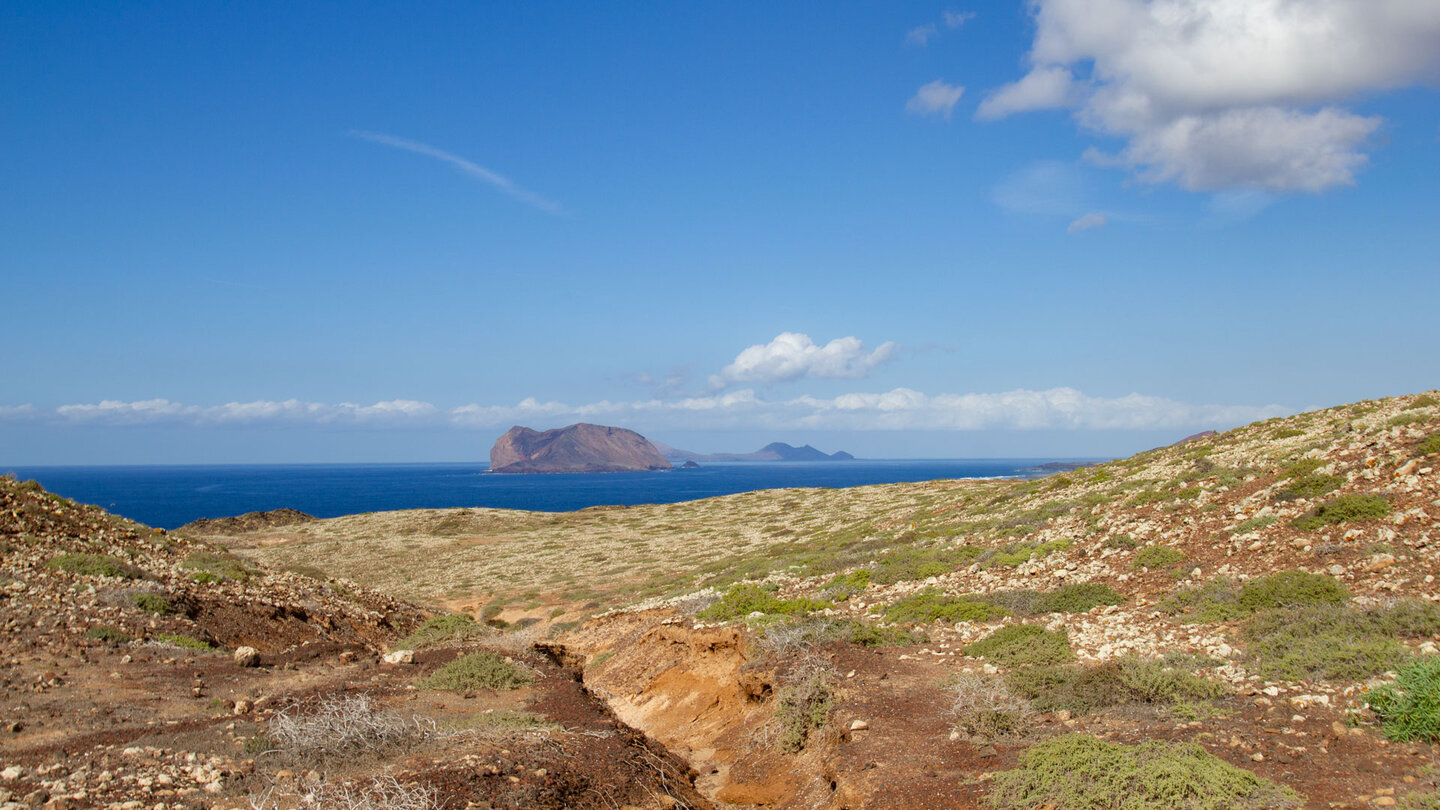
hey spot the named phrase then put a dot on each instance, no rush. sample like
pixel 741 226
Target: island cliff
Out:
pixel 577 448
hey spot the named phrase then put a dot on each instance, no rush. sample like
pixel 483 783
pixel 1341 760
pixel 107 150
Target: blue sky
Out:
pixel 369 232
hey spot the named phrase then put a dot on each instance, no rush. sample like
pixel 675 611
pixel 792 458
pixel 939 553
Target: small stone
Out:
pixel 243 706
pixel 246 656
pixel 1337 570
pixel 1257 757
pixel 12 773
pixel 347 657
pixel 400 657
pixel 1384 801
pixel 859 725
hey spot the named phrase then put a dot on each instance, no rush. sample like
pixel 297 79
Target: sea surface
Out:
pixel 169 496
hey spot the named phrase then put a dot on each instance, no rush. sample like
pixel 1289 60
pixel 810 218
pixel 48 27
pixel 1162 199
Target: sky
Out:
pixel 306 232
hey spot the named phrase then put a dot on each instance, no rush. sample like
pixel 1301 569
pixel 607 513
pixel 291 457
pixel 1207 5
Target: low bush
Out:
pixel 1122 681
pixel 1344 509
pixel 1308 486
pixel 340 725
pixel 1428 446
pixel 912 563
pixel 95 565
pixel 1076 598
pixel 451 628
pixel 1157 557
pixel 843 586
pixel 1023 645
pixel 803 705
pixel 1321 642
pixel 1014 554
pixel 108 634
pixel 1122 541
pixel 1409 708
pixel 1405 419
pixel 1225 600
pixel 986 707
pixel 480 670
pixel 1287 433
pixel 1080 772
pixel 746 598
pixel 932 604
pixel 214 566
pixel 156 604
pixel 866 635
pixel 183 641
pixel 1255 524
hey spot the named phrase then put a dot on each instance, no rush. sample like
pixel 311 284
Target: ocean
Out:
pixel 169 496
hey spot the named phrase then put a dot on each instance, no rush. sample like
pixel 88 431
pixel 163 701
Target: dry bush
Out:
pixel 382 793
pixel 342 724
pixel 985 707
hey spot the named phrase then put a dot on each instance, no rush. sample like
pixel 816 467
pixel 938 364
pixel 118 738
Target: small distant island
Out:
pixel 774 451
pixel 582 448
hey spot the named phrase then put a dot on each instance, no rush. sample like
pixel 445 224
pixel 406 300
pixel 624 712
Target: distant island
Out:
pixel 774 451
pixel 578 448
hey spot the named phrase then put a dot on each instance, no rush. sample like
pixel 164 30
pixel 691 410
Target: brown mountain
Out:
pixel 577 448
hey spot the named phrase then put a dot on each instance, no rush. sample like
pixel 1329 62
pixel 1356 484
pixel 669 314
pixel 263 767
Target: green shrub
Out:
pixel 1291 589
pixel 95 565
pixel 1309 486
pixel 1215 601
pixel 1157 557
pixel 746 598
pixel 1076 598
pixel 1321 642
pixel 1015 554
pixel 1023 645
pixel 843 586
pixel 1080 772
pixel 183 641
pixel 1122 681
pixel 108 634
pixel 867 635
pixel 802 706
pixel 1255 524
pixel 912 563
pixel 480 670
pixel 1409 708
pixel 1122 541
pixel 451 628
pixel 1428 446
pixel 1287 433
pixel 1406 419
pixel 1407 618
pixel 212 566
pixel 155 604
pixel 1422 401
pixel 932 604
pixel 1343 509
pixel 985 706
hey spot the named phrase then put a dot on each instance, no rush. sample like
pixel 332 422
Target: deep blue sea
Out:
pixel 169 496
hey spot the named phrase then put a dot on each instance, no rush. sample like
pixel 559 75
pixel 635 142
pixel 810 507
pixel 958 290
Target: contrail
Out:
pixel 475 170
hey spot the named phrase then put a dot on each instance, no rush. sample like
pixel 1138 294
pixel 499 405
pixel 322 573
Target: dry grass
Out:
pixel 380 793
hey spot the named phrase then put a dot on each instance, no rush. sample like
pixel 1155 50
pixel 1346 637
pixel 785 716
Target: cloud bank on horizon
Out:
pixel 1223 95
pixel 897 409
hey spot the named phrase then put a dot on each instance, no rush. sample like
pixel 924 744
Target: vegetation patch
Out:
pixel 1014 554
pixel 932 604
pixel 1076 598
pixel 107 634
pixel 1023 645
pixel 843 586
pixel 156 604
pixel 451 628
pixel 1428 446
pixel 1344 509
pixel 1323 642
pixel 183 641
pixel 1287 433
pixel 746 598
pixel 802 706
pixel 909 564
pixel 1129 680
pixel 213 566
pixel 1409 708
pixel 95 565
pixel 480 670
pixel 1224 600
pixel 1255 524
pixel 1157 557
pixel 986 707
pixel 866 635
pixel 1082 772
pixel 1422 401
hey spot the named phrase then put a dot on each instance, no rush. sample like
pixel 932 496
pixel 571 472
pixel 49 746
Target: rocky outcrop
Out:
pixel 774 451
pixel 577 448
pixel 248 522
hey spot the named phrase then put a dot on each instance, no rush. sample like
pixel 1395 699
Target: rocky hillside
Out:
pixel 140 669
pixel 1250 613
pixel 577 448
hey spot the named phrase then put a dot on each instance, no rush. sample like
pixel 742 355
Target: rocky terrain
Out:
pixel 140 670
pixel 581 448
pixel 1250 614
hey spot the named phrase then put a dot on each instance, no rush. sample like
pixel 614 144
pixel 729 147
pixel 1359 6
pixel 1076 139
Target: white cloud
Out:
pixel 955 19
pixel 475 170
pixel 1227 94
pixel 791 356
pixel 1043 187
pixel 922 34
pixel 1094 219
pixel 935 97
pixel 897 409
pixel 1044 88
